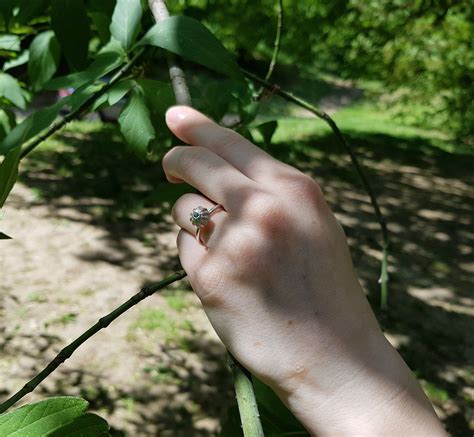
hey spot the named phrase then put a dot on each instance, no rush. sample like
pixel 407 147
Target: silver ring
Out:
pixel 200 217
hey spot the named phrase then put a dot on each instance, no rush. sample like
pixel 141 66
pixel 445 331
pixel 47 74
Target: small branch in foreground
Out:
pixel 177 76
pixel 36 141
pixel 246 400
pixel 355 163
pixel 102 323
pixel 276 47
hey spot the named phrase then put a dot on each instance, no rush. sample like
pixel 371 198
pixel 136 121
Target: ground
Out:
pixel 91 225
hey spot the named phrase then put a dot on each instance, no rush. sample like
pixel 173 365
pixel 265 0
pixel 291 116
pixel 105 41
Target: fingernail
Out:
pixel 176 114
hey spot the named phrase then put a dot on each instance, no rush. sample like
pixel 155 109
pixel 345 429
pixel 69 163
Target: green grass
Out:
pixel 158 320
pixel 64 319
pixel 435 393
pixel 176 299
pixel 362 119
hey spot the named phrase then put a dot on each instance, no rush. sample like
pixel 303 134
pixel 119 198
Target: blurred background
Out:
pixel 91 221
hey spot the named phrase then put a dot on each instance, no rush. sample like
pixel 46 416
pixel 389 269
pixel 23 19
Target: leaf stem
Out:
pixel 102 323
pixel 355 163
pixel 246 400
pixel 59 124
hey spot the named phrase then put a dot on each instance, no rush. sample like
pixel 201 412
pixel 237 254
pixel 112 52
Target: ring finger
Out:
pixel 184 206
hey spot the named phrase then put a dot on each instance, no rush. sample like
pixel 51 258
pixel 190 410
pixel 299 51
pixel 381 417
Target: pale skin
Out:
pixel 278 285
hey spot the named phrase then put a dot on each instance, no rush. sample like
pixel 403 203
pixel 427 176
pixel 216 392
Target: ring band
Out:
pixel 200 217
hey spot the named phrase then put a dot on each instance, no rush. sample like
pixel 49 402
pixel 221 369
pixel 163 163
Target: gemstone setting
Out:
pixel 200 217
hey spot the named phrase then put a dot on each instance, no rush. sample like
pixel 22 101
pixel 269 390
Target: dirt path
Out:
pixel 59 275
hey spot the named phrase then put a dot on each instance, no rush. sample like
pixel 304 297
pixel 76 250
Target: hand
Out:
pixel 277 283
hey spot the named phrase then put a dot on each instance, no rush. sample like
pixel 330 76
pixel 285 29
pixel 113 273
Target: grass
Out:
pixel 363 118
pixel 435 393
pixel 64 319
pixel 158 320
pixel 176 299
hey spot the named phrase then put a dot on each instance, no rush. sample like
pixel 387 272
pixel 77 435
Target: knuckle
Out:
pixel 305 189
pixel 208 283
pixel 181 158
pixel 267 212
pixel 247 249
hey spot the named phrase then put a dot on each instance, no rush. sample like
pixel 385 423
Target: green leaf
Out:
pixel 158 95
pixel 16 62
pixel 135 122
pixel 8 175
pixel 82 94
pixel 267 130
pixel 72 28
pixel 44 58
pixel 40 418
pixel 4 236
pixel 6 11
pixel 108 59
pixel 30 127
pixel 29 9
pixel 125 24
pixel 87 425
pixel 119 91
pixel 188 38
pixel 101 23
pixel 11 90
pixel 10 42
pixel 7 122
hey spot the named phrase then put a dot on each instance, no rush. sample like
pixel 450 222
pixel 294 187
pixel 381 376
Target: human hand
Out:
pixel 277 283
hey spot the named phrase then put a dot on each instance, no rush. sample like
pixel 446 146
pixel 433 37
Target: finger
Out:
pixel 191 252
pixel 208 173
pixel 181 215
pixel 196 129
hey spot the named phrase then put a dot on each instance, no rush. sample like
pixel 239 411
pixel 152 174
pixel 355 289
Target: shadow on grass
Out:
pixel 424 193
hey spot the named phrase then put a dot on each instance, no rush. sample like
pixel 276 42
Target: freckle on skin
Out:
pixel 290 322
pixel 258 344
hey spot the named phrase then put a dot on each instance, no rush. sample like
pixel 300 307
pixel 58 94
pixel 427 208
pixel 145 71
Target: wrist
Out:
pixel 375 395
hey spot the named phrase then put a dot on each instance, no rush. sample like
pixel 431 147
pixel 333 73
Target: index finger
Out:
pixel 196 129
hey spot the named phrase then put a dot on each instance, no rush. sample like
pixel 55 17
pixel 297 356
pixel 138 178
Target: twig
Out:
pixel 124 70
pixel 355 162
pixel 102 323
pixel 177 76
pixel 246 400
pixel 276 47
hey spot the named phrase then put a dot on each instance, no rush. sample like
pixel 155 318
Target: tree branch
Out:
pixel 276 46
pixel 59 124
pixel 177 76
pixel 102 323
pixel 355 163
pixel 246 400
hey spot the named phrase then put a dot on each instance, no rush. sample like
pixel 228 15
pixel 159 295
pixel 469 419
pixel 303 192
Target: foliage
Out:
pixel 54 417
pixel 422 51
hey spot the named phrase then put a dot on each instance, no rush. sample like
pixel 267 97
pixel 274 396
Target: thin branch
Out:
pixel 355 163
pixel 102 323
pixel 59 124
pixel 246 400
pixel 177 76
pixel 276 47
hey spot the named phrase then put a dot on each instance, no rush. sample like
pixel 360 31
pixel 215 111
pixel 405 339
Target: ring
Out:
pixel 200 217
